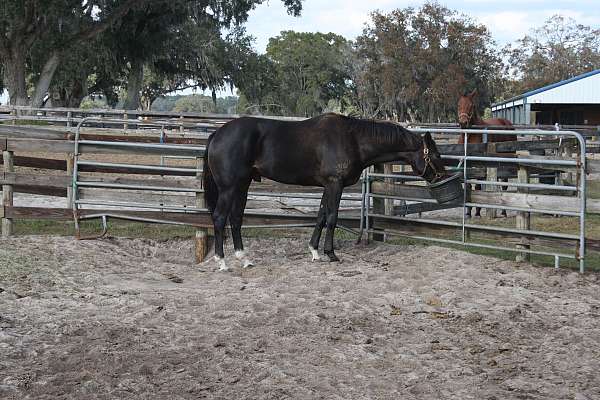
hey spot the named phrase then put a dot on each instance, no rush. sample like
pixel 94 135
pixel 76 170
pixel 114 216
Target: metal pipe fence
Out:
pixel 367 215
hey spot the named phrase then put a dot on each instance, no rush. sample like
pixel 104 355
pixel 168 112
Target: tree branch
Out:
pixel 116 15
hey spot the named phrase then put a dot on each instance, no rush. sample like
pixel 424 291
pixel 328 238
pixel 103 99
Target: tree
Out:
pixel 61 25
pixel 414 64
pixel 300 73
pixel 558 50
pixel 195 103
pixel 57 27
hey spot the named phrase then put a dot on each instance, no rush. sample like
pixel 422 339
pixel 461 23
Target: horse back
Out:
pixel 500 122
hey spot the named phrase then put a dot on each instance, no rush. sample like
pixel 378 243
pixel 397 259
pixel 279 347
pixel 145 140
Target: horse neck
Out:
pixel 382 142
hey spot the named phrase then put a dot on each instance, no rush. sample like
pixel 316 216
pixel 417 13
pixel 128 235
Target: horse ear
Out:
pixel 427 139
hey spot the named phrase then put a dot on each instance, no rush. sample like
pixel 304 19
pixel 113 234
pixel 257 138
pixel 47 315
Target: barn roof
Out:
pixel 592 92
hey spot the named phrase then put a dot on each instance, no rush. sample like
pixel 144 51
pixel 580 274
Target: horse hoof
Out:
pixel 332 257
pixel 314 253
pixel 221 263
pixel 241 255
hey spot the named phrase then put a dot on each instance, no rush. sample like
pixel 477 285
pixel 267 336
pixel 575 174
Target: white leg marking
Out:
pixel 221 263
pixel 241 255
pixel 315 254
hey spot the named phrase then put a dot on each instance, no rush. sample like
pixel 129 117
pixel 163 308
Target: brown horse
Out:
pixel 469 117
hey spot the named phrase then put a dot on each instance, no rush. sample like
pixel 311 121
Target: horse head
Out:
pixel 427 162
pixel 466 109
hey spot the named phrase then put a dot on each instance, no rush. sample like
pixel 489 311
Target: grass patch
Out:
pixel 29 122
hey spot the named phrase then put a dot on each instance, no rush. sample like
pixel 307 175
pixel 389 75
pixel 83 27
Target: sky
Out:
pixel 507 20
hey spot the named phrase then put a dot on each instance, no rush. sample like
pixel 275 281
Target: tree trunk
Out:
pixel 14 77
pixel 134 86
pixel 43 84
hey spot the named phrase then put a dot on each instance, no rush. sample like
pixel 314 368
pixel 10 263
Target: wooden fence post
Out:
pixel 70 165
pixel 125 125
pixel 491 175
pixel 388 205
pixel 378 204
pixel 523 218
pixel 201 244
pixel 7 194
pixel 69 119
pixel 181 126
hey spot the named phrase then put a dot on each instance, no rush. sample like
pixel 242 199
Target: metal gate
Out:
pixel 570 206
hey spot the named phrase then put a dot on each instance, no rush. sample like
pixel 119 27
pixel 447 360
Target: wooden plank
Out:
pixel 65 146
pixel 28 132
pixel 14 178
pixel 157 199
pixel 526 200
pixel 41 190
pixel 195 219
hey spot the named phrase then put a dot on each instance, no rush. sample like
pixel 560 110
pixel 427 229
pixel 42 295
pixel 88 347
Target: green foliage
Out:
pixel 559 49
pixel 89 104
pixel 195 103
pixel 299 75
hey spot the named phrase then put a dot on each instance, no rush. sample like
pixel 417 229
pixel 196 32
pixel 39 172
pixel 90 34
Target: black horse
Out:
pixel 329 151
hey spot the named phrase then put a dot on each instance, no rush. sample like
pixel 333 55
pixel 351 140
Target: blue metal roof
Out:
pixel 548 87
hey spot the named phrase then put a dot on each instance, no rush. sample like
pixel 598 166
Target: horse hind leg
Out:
pixel 334 195
pixel 220 215
pixel 235 220
pixel 504 189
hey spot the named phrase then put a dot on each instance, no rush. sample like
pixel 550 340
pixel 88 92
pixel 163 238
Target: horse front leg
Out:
pixel 334 195
pixel 235 220
pixel 313 245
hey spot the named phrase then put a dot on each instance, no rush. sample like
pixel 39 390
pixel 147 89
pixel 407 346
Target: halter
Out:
pixel 469 116
pixel 429 163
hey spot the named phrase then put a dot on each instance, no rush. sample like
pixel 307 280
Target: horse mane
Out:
pixel 384 132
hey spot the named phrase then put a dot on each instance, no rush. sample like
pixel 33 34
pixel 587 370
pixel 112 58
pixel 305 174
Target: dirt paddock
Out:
pixel 129 319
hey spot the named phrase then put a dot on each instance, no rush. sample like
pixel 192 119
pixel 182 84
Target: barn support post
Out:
pixel 7 194
pixel 523 218
pixel 201 240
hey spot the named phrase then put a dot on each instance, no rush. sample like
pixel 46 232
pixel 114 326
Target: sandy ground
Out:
pixel 136 319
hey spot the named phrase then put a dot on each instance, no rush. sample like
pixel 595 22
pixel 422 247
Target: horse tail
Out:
pixel 211 191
